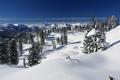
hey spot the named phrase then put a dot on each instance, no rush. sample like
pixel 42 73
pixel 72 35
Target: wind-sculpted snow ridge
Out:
pixel 69 63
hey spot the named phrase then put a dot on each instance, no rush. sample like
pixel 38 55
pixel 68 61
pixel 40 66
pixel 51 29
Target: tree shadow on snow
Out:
pixel 51 50
pixel 59 48
pixel 74 42
pixel 114 43
pixel 17 66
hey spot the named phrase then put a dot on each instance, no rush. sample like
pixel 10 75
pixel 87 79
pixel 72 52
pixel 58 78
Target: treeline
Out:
pixel 11 45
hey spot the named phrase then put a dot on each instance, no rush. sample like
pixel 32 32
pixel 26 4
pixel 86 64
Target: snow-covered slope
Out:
pixel 89 67
pixel 113 35
pixel 56 66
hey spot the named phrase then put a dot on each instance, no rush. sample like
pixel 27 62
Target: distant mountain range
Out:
pixel 12 29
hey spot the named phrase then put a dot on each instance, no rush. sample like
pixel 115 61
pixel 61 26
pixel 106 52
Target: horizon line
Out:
pixel 77 18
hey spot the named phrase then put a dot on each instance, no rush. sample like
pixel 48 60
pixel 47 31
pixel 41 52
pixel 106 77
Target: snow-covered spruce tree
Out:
pixel 64 39
pixel 94 41
pixel 13 53
pixel 34 55
pixel 58 40
pixel 20 44
pixel 86 43
pixel 42 36
pixel 41 49
pixel 4 56
pixel 31 38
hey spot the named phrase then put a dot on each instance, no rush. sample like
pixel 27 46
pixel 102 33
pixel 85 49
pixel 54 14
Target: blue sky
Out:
pixel 58 8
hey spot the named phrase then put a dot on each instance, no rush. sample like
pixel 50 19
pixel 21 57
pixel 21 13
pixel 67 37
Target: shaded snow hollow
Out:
pixel 96 66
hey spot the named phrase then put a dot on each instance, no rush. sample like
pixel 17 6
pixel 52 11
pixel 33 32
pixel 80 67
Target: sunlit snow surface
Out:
pixel 95 66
